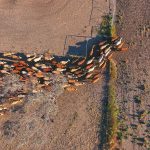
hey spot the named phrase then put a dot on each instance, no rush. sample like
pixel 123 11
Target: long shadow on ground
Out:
pixel 104 118
pixel 82 48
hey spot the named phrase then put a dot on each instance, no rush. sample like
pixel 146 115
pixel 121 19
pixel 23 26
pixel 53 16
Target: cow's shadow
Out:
pixel 82 48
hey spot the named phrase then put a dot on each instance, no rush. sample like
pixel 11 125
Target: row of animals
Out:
pixel 77 70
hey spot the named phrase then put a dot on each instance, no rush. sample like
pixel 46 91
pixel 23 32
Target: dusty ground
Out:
pixel 38 26
pixel 45 122
pixel 134 71
pixel 74 121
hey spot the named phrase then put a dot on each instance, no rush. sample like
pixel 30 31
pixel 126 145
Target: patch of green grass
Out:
pixel 106 27
pixel 137 99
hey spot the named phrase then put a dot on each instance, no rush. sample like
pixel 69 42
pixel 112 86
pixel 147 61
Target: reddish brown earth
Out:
pixel 134 70
pixel 72 121
pixel 38 26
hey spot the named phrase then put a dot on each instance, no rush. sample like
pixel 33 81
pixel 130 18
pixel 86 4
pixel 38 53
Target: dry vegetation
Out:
pixel 112 117
pixel 107 28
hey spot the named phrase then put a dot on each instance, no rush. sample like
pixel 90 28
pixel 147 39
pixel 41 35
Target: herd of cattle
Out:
pixel 77 70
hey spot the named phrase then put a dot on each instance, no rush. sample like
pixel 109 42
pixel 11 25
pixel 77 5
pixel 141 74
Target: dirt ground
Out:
pixel 72 121
pixel 134 71
pixel 38 26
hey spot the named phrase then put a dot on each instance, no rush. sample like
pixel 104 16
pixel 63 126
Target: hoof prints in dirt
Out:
pixel 10 128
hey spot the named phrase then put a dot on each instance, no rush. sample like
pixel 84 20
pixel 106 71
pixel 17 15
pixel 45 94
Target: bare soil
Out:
pixel 70 121
pixel 38 26
pixel 134 71
pixel 73 121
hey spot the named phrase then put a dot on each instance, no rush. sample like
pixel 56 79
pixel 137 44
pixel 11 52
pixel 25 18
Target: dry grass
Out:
pixel 113 122
pixel 113 31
